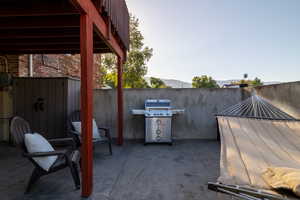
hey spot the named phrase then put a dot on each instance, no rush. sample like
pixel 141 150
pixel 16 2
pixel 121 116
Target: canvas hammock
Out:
pixel 258 140
pixel 250 146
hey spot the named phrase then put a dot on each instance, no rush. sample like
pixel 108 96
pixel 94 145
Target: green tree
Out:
pixel 204 82
pixel 135 68
pixel 157 83
pixel 257 82
pixel 253 83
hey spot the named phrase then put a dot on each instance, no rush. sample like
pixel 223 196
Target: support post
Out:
pixel 120 101
pixel 86 50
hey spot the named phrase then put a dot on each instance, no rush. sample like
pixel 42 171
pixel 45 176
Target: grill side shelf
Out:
pixel 138 112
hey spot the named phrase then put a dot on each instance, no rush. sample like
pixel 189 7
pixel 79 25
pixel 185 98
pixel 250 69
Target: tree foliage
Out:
pixel 157 83
pixel 254 83
pixel 135 67
pixel 204 82
pixel 257 82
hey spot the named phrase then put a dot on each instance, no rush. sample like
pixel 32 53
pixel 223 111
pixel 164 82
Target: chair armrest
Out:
pixel 45 154
pixel 62 142
pixel 74 132
pixel 103 128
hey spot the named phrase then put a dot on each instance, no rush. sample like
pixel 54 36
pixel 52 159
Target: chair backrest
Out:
pixel 74 117
pixel 18 128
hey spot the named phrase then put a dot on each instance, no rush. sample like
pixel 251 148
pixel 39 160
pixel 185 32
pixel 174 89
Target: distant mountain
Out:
pixel 173 83
pixel 177 83
pixel 226 82
pixel 181 84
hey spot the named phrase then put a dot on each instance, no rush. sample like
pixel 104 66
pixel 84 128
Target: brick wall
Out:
pixel 23 66
pixel 57 66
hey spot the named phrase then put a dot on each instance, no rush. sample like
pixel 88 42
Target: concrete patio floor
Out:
pixel 134 172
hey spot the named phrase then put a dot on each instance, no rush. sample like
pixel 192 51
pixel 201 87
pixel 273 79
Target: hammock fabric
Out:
pixel 255 136
pixel 250 146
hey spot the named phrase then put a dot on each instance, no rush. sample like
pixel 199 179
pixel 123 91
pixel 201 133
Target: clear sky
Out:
pixel 221 38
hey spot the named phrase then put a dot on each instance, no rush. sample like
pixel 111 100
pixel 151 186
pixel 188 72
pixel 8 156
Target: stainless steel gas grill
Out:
pixel 158 120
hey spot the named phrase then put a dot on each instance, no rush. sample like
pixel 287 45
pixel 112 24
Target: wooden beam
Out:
pixel 49 47
pixel 86 48
pixel 45 48
pixel 41 42
pixel 40 33
pixel 17 12
pixel 101 28
pixel 49 42
pixel 39 22
pixel 48 51
pixel 36 8
pixel 120 102
pixel 13 47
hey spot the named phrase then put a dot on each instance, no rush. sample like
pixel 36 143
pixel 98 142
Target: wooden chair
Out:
pixel 67 157
pixel 104 139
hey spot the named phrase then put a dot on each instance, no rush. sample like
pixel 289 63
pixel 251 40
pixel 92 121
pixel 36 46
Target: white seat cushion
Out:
pixel 37 143
pixel 96 134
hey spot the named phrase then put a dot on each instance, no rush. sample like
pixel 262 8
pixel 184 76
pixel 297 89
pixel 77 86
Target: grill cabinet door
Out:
pixel 158 130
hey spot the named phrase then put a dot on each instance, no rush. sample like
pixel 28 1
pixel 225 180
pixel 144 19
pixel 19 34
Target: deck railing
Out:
pixel 117 15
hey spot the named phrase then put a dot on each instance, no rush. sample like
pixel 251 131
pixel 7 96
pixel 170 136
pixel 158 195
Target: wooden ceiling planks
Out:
pixel 52 23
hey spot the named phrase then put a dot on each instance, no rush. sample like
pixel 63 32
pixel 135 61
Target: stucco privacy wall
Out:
pixel 285 96
pixel 198 122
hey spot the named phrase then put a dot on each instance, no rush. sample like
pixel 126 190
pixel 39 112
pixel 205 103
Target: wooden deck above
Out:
pixel 53 26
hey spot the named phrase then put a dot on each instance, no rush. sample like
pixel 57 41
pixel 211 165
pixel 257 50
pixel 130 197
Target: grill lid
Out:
pixel 157 104
pixel 157 108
